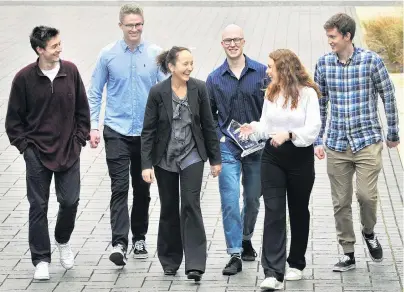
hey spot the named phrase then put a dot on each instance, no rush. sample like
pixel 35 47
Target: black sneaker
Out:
pixel 234 266
pixel 248 253
pixel 345 264
pixel 170 272
pixel 118 255
pixel 375 249
pixel 139 250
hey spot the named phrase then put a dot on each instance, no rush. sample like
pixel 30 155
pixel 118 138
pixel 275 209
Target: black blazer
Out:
pixel 158 117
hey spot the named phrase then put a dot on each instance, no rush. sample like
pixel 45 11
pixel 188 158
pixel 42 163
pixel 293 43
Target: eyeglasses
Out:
pixel 237 41
pixel 132 26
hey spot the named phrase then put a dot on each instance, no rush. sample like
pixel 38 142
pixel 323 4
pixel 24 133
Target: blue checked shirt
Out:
pixel 352 91
pixel 129 77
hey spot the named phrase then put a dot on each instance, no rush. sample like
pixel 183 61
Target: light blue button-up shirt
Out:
pixel 129 77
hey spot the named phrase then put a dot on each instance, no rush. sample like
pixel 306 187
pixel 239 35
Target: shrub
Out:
pixel 384 35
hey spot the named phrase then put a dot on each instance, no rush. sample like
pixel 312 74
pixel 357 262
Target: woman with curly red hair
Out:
pixel 290 121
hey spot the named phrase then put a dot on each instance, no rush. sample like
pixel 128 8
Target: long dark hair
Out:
pixel 169 57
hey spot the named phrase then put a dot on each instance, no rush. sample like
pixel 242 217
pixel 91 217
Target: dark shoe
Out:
pixel 345 264
pixel 139 250
pixel 194 275
pixel 234 266
pixel 374 247
pixel 170 272
pixel 248 253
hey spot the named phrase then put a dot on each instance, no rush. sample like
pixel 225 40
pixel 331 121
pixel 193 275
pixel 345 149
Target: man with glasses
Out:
pixel 235 90
pixel 48 120
pixel 129 69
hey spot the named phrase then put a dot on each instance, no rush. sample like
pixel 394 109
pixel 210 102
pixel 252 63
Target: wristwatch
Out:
pixel 290 135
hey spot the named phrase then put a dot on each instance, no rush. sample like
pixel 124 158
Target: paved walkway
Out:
pixel 85 29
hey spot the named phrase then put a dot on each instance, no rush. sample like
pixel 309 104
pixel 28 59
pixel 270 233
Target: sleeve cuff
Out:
pixel 215 161
pixel 393 137
pixel 22 146
pixel 94 125
pixel 301 143
pixel 318 141
pixel 256 126
pixel 80 139
pixel 147 165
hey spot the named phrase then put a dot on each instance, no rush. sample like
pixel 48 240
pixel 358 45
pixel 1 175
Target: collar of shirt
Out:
pixel 61 71
pixel 249 65
pixel 125 46
pixel 355 52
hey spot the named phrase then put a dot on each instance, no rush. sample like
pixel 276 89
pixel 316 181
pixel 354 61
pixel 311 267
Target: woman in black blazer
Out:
pixel 178 136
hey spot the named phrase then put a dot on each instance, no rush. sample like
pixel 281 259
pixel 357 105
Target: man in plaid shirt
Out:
pixel 350 79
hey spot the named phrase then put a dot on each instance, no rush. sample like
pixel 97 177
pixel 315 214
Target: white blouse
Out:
pixel 304 121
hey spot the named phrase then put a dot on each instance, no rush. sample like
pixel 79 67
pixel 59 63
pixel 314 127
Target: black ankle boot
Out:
pixel 194 275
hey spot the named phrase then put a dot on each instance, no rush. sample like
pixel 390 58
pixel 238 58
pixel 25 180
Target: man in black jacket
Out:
pixel 48 120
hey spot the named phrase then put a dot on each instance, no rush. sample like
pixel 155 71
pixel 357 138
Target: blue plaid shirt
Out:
pixel 352 90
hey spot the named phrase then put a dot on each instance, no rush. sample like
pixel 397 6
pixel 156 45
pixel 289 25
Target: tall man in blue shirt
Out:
pixel 235 90
pixel 351 79
pixel 129 69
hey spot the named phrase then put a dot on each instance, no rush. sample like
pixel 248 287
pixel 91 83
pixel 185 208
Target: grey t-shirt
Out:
pixel 181 151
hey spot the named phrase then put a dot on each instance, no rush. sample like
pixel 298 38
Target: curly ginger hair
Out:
pixel 292 75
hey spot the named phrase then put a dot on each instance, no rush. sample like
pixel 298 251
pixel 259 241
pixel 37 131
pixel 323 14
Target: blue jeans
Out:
pixel 238 227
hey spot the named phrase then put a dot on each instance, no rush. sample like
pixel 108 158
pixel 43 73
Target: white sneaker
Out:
pixel 271 283
pixel 66 255
pixel 293 274
pixel 118 255
pixel 42 271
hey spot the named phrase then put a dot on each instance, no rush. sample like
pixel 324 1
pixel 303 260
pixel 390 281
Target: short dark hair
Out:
pixel 343 23
pixel 169 57
pixel 41 35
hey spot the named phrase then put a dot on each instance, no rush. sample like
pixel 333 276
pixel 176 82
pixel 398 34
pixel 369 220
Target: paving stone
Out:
pixel 16 284
pixel 321 288
pixel 42 286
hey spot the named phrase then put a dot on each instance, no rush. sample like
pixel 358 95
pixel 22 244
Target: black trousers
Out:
pixel 67 185
pixel 286 170
pixel 181 232
pixel 123 157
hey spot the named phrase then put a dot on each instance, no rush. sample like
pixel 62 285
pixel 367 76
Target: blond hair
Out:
pixel 130 9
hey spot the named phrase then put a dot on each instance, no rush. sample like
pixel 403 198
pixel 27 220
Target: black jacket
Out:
pixel 158 117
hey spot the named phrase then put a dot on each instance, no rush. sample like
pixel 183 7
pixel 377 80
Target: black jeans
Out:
pixel 67 185
pixel 181 233
pixel 286 170
pixel 123 153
